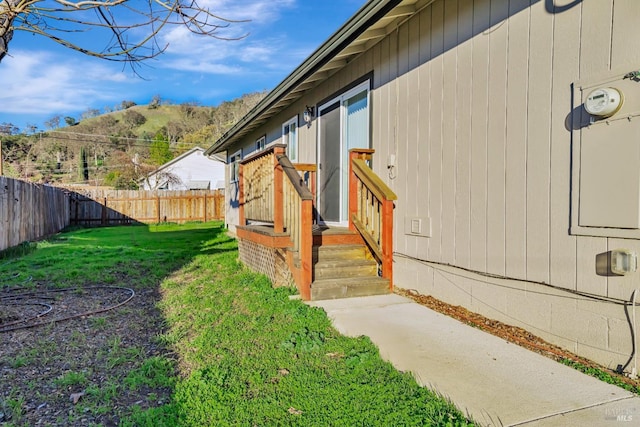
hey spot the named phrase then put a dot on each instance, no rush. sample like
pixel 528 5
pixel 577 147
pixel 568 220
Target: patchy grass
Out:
pixel 139 255
pixel 248 355
pixel 71 379
pixel 154 372
pixel 18 251
pixel 105 359
pixel 205 342
pixel 602 375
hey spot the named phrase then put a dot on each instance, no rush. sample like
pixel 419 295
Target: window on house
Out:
pixel 234 163
pixel 260 143
pixel 290 138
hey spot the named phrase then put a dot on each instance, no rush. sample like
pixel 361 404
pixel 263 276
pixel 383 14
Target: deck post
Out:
pixel 306 249
pixel 387 241
pixel 278 199
pixel 353 190
pixel 241 217
pixel 355 153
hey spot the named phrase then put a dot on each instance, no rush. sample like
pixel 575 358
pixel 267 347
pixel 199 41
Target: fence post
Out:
pixel 73 212
pixel 221 197
pixel 104 211
pixel 205 207
pixel 158 208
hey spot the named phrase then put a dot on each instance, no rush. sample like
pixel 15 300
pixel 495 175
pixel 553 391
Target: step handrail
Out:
pixel 270 189
pixel 297 219
pixel 371 209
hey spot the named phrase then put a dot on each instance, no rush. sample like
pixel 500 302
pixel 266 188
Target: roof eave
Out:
pixel 355 26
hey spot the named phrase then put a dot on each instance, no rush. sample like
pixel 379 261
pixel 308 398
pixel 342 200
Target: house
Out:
pixel 192 170
pixel 508 130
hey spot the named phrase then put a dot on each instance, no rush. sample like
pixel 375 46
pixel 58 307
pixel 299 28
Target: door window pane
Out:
pixel 343 125
pixel 330 164
pixel 356 135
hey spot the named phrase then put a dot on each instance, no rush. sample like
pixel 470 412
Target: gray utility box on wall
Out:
pixel 609 160
pixel 610 175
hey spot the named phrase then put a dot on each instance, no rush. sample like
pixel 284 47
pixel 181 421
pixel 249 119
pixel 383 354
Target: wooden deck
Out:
pixel 342 265
pixel 276 224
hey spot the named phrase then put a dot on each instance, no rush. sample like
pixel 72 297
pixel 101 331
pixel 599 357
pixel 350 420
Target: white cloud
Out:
pixel 39 82
pixel 237 19
pixel 189 52
pixel 195 64
pixel 258 11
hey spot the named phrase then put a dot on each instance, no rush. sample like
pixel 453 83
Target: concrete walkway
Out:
pixel 494 382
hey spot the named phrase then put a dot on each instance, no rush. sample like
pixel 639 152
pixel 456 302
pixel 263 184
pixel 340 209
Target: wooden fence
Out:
pixel 30 211
pixel 117 207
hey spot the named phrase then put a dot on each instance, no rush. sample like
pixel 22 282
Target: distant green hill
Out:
pixel 155 119
pixel 114 148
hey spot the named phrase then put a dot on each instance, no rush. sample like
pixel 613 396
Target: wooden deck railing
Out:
pixel 273 190
pixel 307 173
pixel 371 209
pixel 257 186
pixel 297 209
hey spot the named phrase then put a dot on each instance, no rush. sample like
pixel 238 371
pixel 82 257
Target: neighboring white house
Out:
pixel 192 170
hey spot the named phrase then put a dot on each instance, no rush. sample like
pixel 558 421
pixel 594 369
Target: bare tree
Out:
pixel 161 179
pixel 8 129
pixel 156 101
pixel 53 122
pixel 120 22
pixel 89 113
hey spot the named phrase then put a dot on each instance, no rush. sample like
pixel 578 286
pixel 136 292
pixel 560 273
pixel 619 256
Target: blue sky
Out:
pixel 42 79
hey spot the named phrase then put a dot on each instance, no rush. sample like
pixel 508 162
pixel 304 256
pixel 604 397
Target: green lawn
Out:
pixel 238 351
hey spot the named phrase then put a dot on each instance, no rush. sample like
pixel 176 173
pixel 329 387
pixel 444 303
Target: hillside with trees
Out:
pixel 118 146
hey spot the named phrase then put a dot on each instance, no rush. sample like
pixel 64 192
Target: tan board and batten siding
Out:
pixel 474 98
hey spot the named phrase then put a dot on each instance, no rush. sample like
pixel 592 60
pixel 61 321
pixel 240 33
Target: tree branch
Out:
pixel 116 17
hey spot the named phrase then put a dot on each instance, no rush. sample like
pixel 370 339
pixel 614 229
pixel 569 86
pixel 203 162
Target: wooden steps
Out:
pixel 347 270
pixel 342 265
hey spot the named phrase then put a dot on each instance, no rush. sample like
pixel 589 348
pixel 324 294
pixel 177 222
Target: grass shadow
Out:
pixel 115 360
pixel 204 342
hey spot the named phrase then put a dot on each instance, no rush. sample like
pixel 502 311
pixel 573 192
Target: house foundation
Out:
pixel 595 328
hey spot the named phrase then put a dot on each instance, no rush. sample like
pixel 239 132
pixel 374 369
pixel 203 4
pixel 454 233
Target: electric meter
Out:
pixel 603 102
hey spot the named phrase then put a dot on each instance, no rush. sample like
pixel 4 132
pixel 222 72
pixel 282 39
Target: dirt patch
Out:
pixel 72 365
pixel 510 333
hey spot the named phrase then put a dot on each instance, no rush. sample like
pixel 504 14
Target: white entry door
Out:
pixel 343 124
